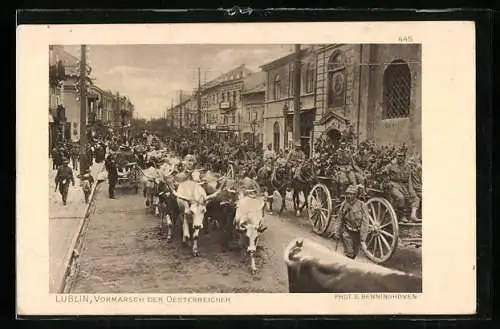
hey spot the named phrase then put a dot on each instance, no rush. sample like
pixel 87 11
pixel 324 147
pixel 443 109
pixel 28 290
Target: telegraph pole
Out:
pixel 198 100
pixel 296 95
pixel 84 161
pixel 172 112
pixel 180 109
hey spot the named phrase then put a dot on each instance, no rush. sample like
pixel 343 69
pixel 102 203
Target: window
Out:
pixel 310 77
pixel 336 81
pixel 276 136
pixel 223 98
pixel 234 97
pixel 233 118
pixel 277 88
pixel 397 90
pixel 229 97
pixel 291 84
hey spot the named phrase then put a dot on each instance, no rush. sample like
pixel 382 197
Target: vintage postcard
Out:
pixel 267 169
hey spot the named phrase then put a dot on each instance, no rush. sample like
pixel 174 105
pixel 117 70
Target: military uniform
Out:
pixel 63 177
pixel 294 159
pixel 353 226
pixel 399 176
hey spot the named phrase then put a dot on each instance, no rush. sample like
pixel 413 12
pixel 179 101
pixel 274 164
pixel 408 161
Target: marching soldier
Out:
pixel 353 223
pixel 63 177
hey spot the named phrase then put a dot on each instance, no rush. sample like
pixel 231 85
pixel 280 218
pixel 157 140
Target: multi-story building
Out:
pixel 279 100
pixel 253 99
pixel 64 105
pixel 372 89
pixel 221 103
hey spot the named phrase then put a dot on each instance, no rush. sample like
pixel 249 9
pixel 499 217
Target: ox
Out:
pixel 248 222
pixel 192 200
pixel 313 268
pixel 150 179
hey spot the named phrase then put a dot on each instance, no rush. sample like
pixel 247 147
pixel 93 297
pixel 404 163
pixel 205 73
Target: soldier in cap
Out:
pixel 63 177
pixel 111 168
pixel 400 188
pixel 353 222
pixel 86 182
pixel 295 157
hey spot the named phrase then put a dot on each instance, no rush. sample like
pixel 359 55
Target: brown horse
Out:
pixel 302 181
pixel 275 179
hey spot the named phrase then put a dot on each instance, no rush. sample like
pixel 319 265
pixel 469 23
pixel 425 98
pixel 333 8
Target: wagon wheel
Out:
pixel 383 231
pixel 320 208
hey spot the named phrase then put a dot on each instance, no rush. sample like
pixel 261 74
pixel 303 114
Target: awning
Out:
pixel 332 115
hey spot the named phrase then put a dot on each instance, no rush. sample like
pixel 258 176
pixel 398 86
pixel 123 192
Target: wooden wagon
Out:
pixel 386 231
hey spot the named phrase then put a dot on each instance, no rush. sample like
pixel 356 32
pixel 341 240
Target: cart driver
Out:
pixel 295 158
pixel 353 222
pixel 189 167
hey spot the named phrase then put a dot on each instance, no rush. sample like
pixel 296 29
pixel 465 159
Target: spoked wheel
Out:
pixel 320 208
pixel 383 231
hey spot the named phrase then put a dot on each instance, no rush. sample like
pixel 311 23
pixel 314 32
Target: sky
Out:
pixel 151 76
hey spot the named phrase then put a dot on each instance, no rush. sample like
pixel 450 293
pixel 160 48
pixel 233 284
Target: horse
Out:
pixel 302 181
pixel 274 179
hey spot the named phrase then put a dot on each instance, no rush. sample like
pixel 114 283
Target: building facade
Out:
pixel 279 100
pixel 221 103
pixel 374 90
pixel 252 116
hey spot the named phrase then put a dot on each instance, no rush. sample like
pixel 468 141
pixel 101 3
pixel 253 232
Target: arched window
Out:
pixel 397 90
pixel 277 87
pixel 276 136
pixel 336 80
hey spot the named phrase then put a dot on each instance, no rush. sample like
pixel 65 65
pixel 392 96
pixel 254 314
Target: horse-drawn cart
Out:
pixel 386 232
pixel 128 176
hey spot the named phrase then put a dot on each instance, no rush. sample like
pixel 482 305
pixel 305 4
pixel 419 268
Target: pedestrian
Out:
pixel 110 164
pixel 56 158
pixel 353 223
pixel 75 153
pixel 63 177
pixel 86 182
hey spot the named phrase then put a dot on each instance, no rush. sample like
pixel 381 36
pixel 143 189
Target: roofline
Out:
pixel 283 59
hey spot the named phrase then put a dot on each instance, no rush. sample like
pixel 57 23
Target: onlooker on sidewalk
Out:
pixel 63 177
pixel 86 182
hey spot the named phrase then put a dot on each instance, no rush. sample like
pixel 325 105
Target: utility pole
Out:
pixel 198 100
pixel 172 112
pixel 84 161
pixel 180 109
pixel 296 95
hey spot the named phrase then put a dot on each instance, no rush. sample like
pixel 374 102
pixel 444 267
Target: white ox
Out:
pixel 150 179
pixel 192 200
pixel 248 222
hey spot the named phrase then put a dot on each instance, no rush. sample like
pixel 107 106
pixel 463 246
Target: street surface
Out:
pixel 126 252
pixel 64 222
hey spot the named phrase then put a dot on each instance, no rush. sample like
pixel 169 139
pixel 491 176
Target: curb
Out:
pixel 71 260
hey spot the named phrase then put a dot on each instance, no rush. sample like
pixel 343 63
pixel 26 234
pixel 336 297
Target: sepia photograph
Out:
pixel 202 162
pixel 203 174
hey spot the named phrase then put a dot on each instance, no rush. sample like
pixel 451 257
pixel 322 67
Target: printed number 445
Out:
pixel 405 38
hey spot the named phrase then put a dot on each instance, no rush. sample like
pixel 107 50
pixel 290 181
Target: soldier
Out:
pixel 75 154
pixel 63 177
pixel 56 158
pixel 295 158
pixel 269 155
pixel 353 223
pixel 110 165
pixel 400 188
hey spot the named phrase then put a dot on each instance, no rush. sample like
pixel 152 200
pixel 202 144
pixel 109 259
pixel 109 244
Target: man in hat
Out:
pixel 63 177
pixel 269 154
pixel 295 157
pixel 400 188
pixel 353 223
pixel 110 165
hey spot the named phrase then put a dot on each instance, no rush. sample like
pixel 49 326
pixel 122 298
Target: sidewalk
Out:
pixel 64 221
